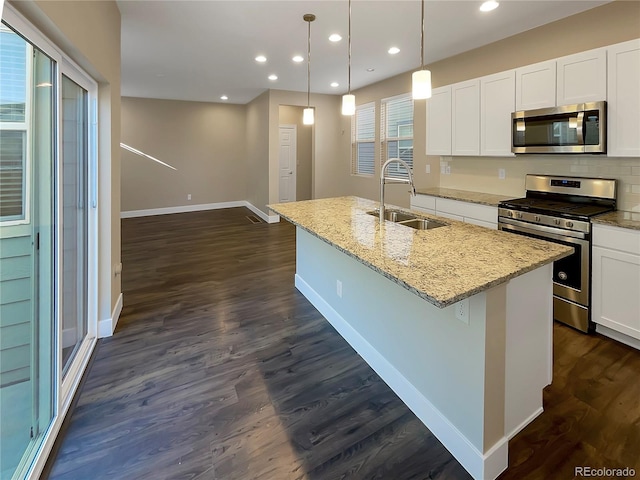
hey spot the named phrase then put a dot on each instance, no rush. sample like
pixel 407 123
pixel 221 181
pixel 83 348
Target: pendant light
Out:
pixel 348 100
pixel 421 80
pixel 307 114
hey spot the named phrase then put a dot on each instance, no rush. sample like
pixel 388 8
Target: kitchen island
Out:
pixel 457 320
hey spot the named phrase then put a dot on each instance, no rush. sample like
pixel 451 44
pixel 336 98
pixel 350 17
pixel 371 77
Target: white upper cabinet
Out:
pixel 465 101
pixel 497 101
pixel 536 86
pixel 582 77
pixel 439 122
pixel 623 99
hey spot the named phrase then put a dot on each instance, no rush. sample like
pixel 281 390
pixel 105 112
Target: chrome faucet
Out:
pixel 384 180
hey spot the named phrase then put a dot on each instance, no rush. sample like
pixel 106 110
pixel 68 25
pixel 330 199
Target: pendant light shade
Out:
pixel 349 100
pixel 307 114
pixel 421 80
pixel 348 104
pixel 421 84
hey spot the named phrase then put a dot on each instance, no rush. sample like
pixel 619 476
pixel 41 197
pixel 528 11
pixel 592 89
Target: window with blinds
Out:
pixel 396 133
pixel 14 71
pixel 363 138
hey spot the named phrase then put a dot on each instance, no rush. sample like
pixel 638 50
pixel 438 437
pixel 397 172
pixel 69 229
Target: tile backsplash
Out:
pixel 481 174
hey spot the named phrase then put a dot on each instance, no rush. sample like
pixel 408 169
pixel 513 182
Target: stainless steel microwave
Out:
pixel 580 128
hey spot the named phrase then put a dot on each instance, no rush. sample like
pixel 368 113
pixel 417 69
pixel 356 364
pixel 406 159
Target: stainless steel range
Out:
pixel 558 209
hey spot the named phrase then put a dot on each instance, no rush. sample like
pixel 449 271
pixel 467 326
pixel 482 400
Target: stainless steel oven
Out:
pixel 558 209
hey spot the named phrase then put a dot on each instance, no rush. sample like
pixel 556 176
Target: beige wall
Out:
pixel 257 140
pixel 204 141
pixel 304 147
pixel 329 166
pixel 89 32
pixel 611 23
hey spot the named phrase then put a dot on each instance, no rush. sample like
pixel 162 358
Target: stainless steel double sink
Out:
pixel 408 219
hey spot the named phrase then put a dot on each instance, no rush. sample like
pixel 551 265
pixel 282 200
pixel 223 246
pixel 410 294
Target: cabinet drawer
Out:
pixel 616 238
pixel 476 211
pixel 423 201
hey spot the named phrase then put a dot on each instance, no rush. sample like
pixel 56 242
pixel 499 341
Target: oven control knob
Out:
pixel 569 224
pixel 562 275
pixel 519 214
pixel 557 221
pixel 537 218
pixel 510 213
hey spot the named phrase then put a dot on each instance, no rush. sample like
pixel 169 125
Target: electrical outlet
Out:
pixel 443 168
pixel 188 196
pixel 447 170
pixel 462 310
pixel 427 168
pixel 502 173
pixel 339 288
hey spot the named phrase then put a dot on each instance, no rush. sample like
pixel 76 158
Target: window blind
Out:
pixel 396 133
pixel 363 137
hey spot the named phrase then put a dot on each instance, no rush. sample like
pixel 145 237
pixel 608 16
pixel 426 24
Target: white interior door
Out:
pixel 287 164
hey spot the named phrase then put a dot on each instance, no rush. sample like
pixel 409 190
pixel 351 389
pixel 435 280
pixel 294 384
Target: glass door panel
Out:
pixel 27 179
pixel 74 219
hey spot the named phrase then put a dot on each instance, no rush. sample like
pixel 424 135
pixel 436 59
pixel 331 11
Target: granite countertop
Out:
pixel 620 219
pixel 443 265
pixel 464 195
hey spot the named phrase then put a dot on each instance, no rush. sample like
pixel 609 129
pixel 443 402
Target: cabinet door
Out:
pixel 582 77
pixel 616 283
pixel 623 97
pixel 439 122
pixel 497 102
pixel 536 86
pixel 465 116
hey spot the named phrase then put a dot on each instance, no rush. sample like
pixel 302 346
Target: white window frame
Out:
pixel 395 170
pixel 23 127
pixel 355 142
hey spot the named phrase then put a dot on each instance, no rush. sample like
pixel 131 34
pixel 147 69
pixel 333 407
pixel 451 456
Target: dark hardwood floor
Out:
pixel 221 369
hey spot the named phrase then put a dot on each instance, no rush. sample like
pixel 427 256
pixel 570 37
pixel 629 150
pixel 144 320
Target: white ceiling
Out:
pixel 200 50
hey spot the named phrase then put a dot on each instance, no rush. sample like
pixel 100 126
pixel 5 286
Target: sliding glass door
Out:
pixel 27 249
pixel 48 241
pixel 75 161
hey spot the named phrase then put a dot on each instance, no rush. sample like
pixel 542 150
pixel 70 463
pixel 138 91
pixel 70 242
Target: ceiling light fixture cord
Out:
pixel 349 86
pixel 422 39
pixel 308 60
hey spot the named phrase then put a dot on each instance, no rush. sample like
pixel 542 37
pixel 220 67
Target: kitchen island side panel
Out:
pixel 436 363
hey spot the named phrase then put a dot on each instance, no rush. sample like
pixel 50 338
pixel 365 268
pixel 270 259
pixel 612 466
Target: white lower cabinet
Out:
pixel 468 212
pixel 616 280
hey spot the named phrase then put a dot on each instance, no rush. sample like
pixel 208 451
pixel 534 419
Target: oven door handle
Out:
pixel 542 230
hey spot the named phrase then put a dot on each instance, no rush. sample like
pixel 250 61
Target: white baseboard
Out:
pixel 526 422
pixel 107 326
pixel 620 337
pixel 480 466
pixel 182 209
pixel 201 207
pixel 261 214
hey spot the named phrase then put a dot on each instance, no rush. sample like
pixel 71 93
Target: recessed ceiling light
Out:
pixel 370 69
pixel 224 97
pixel 394 50
pixel 261 58
pixel 297 59
pixel 334 37
pixel 273 77
pixel 335 84
pixel 489 5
